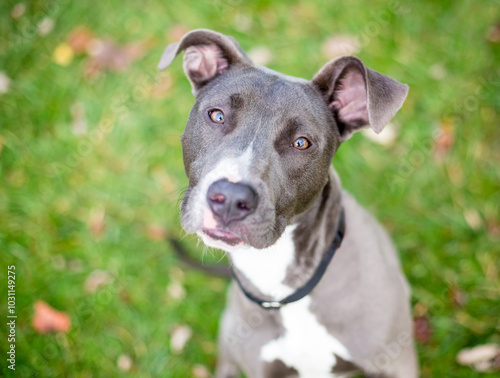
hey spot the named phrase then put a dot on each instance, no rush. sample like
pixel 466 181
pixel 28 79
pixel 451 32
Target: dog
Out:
pixel 319 291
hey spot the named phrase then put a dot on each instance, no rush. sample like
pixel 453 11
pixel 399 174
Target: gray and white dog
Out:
pixel 257 150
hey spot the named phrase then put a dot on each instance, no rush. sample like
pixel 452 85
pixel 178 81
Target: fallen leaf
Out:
pixel 473 218
pixel 445 139
pixel 97 279
pixel 124 362
pixel 437 71
pixel 176 291
pixel 482 357
pixel 106 55
pixel 78 119
pixel 75 265
pixel 156 232
pixel 494 34
pixel 422 328
pixel 493 226
pixel 179 337
pixel 176 32
pixel 63 54
pixel 386 137
pixel 242 23
pixel 80 39
pixel 161 87
pixel 4 82
pixel 96 223
pixel 260 55
pixel 458 297
pixel 420 309
pixel 167 182
pixel 18 10
pixel 45 26
pixel 340 45
pixel 46 319
pixel 200 371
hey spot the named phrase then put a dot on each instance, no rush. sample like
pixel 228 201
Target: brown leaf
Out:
pixel 46 319
pixel 80 39
pixel 107 55
pixel 423 331
pixel 494 34
pixel 156 232
pixel 18 10
pixel 96 223
pixel 493 226
pixel 161 87
pixel 176 32
pixel 445 139
pixel 458 296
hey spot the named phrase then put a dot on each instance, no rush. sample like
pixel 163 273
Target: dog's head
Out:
pixel 258 144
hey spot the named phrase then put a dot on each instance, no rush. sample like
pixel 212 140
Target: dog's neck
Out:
pixel 276 271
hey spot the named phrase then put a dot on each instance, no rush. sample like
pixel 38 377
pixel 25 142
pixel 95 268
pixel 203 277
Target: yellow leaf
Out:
pixel 63 54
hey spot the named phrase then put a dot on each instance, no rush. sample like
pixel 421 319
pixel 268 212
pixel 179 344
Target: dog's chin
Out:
pixel 220 239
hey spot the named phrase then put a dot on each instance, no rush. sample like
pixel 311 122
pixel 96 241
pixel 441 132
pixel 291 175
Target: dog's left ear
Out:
pixel 358 96
pixel 208 55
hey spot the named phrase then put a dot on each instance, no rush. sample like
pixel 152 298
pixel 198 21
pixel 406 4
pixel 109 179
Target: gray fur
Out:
pixel 363 298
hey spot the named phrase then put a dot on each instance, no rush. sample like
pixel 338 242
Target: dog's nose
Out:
pixel 230 201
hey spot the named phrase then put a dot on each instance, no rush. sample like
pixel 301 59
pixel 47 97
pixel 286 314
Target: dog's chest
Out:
pixel 305 343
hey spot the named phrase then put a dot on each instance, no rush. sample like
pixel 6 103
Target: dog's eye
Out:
pixel 216 115
pixel 301 143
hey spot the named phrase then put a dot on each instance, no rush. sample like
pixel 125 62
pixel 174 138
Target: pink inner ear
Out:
pixel 203 62
pixel 350 99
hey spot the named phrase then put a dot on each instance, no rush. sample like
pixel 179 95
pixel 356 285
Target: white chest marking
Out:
pixel 306 345
pixel 266 268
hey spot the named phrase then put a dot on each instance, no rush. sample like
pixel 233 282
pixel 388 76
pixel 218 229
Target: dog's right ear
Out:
pixel 208 55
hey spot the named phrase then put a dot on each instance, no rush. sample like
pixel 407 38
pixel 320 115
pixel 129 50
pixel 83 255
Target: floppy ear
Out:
pixel 208 54
pixel 358 96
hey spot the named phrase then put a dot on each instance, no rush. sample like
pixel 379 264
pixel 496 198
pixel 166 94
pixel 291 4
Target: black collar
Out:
pixel 311 283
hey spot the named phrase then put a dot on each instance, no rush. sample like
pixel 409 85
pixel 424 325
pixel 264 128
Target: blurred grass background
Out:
pixel 91 171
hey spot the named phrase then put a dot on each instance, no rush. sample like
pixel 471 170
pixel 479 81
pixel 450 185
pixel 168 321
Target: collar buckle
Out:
pixel 273 304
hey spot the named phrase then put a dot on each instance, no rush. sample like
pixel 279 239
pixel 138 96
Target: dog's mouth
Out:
pixel 222 235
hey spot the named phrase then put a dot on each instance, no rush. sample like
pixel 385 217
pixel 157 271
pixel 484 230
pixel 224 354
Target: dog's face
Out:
pixel 258 145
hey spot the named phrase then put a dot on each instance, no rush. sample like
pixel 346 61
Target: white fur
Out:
pixel 305 345
pixel 266 268
pixel 234 169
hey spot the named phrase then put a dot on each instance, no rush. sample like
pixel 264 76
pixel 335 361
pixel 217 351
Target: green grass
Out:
pixel 52 180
